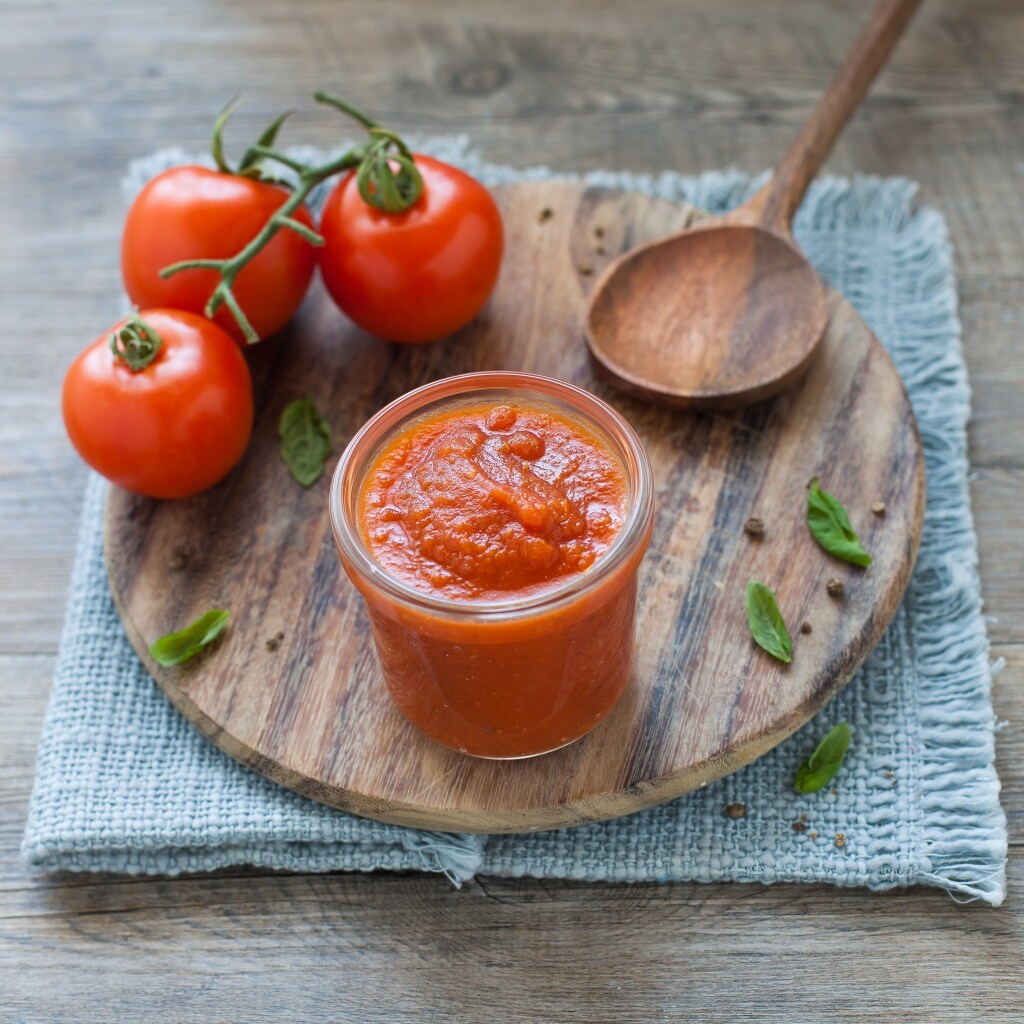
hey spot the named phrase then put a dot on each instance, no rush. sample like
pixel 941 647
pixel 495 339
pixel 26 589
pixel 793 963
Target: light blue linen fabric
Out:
pixel 125 784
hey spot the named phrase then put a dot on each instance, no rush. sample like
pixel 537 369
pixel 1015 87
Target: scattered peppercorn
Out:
pixel 799 826
pixel 813 835
pixel 546 214
pixel 599 250
pixel 585 270
pixel 736 811
pixel 878 507
pixel 599 231
pixel 275 641
pixel 840 840
pixel 889 775
pixel 754 527
pixel 803 817
pixel 835 587
pixel 806 628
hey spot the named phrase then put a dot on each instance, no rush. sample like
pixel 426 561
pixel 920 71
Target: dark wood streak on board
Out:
pixel 704 700
pixel 694 632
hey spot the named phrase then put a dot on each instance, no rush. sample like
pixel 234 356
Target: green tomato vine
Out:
pixel 386 176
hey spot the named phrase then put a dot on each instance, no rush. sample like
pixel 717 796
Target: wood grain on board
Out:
pixel 311 711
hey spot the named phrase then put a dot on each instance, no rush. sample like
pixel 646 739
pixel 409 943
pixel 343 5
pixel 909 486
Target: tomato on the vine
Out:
pixel 420 274
pixel 191 212
pixel 161 404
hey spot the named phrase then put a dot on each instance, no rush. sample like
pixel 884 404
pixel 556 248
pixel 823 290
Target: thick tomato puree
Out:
pixel 489 502
pixel 503 512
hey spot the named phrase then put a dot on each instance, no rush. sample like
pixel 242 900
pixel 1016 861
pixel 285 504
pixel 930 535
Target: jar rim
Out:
pixel 589 407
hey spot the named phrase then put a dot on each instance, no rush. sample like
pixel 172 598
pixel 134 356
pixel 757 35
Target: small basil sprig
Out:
pixel 174 648
pixel 831 527
pixel 305 441
pixel 821 767
pixel 766 624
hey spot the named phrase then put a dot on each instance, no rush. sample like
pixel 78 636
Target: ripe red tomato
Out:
pixel 194 213
pixel 173 428
pixel 418 275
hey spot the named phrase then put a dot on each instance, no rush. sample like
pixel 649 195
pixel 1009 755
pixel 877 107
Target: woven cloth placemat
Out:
pixel 125 784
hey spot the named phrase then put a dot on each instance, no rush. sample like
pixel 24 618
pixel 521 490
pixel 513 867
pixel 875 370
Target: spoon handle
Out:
pixel 775 204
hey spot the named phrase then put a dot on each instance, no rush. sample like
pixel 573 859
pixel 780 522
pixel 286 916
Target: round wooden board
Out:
pixel 311 711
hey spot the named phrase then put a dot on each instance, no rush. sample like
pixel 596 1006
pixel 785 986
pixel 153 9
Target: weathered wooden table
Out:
pixel 686 84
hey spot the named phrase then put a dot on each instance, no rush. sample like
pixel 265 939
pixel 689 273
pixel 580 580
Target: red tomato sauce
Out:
pixel 491 502
pixel 488 502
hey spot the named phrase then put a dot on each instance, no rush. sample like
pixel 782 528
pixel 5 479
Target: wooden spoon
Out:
pixel 731 312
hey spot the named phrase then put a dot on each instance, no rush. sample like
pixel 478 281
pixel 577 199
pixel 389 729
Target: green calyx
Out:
pixel 388 179
pixel 386 176
pixel 135 343
pixel 379 184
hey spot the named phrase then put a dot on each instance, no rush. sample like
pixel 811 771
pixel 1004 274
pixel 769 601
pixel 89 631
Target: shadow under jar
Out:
pixel 494 524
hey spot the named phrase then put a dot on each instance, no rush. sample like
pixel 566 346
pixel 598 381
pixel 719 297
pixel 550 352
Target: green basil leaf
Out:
pixel 821 767
pixel 174 648
pixel 765 621
pixel 305 441
pixel 831 527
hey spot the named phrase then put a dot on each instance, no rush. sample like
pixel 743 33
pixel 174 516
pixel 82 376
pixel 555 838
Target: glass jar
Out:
pixel 523 675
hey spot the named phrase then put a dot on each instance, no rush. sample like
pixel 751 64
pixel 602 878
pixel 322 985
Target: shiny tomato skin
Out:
pixel 419 275
pixel 192 212
pixel 172 429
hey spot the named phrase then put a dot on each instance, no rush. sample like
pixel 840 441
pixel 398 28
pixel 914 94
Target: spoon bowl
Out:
pixel 719 316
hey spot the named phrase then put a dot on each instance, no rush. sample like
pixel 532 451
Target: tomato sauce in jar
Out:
pixel 494 524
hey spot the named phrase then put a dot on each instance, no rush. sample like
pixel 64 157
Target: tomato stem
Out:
pixel 311 236
pixel 346 108
pixel 135 343
pixel 387 179
pixel 230 268
pixel 224 295
pixel 250 165
pixel 251 158
pixel 217 142
pixel 281 158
